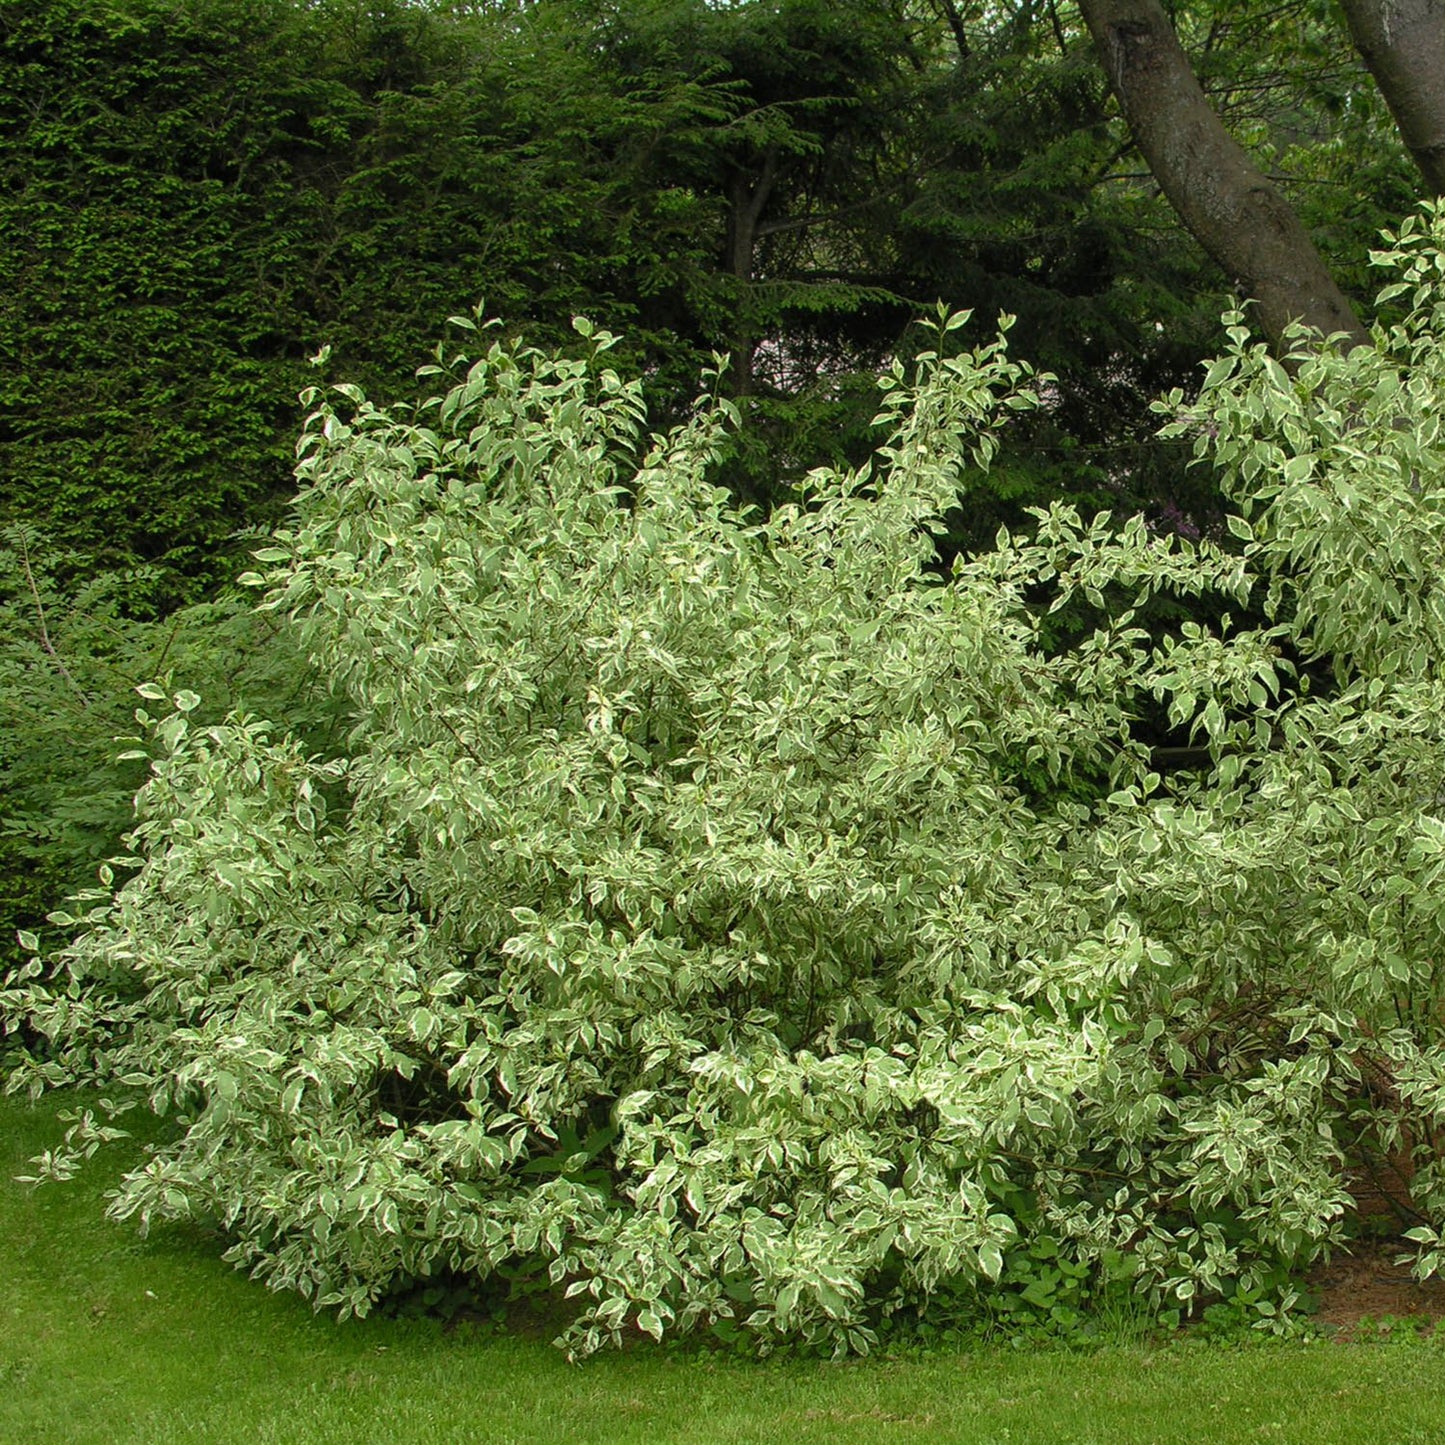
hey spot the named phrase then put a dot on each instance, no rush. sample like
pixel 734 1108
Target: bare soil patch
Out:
pixel 1367 1294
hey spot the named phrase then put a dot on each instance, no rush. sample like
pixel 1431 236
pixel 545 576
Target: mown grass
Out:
pixel 106 1338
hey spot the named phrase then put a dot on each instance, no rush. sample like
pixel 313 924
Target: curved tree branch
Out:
pixel 1228 205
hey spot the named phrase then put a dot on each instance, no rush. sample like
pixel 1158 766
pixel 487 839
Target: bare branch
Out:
pixel 45 641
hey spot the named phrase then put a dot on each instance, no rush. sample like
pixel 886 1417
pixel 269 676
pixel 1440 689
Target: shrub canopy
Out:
pixel 734 920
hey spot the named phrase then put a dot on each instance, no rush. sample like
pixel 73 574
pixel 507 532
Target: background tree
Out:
pixel 215 191
pixel 1221 196
pixel 1403 43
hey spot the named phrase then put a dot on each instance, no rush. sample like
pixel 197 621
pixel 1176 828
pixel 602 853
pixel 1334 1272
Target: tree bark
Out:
pixel 1229 207
pixel 1403 44
pixel 747 200
pixel 955 24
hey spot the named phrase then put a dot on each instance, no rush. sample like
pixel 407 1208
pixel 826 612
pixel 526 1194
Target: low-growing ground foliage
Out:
pixel 683 922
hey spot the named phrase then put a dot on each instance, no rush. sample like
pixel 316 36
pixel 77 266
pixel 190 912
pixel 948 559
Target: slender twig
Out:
pixel 800 223
pixel 45 641
pixel 170 638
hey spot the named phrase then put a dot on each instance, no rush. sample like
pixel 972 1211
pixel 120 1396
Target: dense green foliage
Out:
pixel 199 195
pixel 67 677
pixel 678 920
pixel 148 230
pixel 745 919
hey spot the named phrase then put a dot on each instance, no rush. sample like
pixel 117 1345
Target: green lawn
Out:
pixel 105 1338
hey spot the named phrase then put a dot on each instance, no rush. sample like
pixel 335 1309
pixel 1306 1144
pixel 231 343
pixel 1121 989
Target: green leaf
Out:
pixel 990 1259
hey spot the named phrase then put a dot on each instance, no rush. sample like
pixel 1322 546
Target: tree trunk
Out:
pixel 1229 207
pixel 747 199
pixel 960 33
pixel 1403 43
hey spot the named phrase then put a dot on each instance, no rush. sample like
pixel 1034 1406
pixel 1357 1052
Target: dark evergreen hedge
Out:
pixel 195 196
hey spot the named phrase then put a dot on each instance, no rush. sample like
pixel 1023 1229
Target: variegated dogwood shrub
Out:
pixel 677 920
